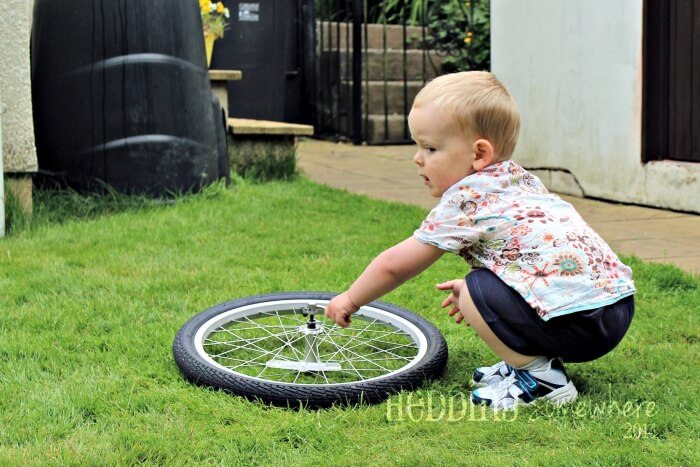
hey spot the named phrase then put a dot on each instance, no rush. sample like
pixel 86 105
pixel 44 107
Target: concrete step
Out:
pixel 333 35
pixel 391 129
pixel 387 130
pixel 380 129
pixel 380 64
pixel 379 97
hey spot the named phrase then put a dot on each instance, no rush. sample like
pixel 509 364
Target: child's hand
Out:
pixel 340 308
pixel 455 286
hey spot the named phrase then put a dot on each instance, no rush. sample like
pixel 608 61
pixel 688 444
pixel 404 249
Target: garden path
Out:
pixel 387 172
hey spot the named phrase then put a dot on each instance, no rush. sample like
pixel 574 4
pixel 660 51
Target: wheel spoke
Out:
pixel 346 349
pixel 249 344
pixel 376 342
pixel 258 343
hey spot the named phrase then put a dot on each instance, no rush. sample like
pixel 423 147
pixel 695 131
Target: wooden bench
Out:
pixel 247 126
pixel 260 148
pixel 244 126
pixel 219 84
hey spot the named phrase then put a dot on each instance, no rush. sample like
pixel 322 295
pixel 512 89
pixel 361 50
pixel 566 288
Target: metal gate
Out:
pixel 373 57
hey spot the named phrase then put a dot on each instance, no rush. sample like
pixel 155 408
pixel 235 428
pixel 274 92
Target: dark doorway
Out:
pixel 671 95
pixel 271 42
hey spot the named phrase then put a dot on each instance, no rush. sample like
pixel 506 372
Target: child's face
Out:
pixel 445 154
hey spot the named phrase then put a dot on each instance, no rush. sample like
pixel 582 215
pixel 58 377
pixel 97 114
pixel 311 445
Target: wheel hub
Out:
pixel 312 332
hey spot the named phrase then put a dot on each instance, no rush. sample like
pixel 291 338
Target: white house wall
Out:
pixel 575 69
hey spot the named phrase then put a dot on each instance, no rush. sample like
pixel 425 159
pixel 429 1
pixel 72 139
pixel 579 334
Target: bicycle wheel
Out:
pixel 279 348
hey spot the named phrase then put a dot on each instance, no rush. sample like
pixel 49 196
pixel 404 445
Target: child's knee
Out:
pixel 468 308
pixel 466 304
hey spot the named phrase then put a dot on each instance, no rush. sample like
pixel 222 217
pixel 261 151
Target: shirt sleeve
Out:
pixel 450 225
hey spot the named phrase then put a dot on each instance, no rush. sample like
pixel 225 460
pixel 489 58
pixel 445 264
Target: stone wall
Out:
pixel 19 152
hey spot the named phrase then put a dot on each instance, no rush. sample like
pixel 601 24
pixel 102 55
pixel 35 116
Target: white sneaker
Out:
pixel 524 387
pixel 490 375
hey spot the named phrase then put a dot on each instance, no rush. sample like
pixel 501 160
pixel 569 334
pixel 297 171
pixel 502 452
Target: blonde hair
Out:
pixel 480 103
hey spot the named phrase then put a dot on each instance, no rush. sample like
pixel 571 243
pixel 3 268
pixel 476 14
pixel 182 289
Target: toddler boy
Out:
pixel 544 287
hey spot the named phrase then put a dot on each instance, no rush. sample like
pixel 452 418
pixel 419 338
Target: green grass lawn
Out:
pixel 90 306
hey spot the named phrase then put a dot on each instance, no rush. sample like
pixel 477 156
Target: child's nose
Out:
pixel 417 158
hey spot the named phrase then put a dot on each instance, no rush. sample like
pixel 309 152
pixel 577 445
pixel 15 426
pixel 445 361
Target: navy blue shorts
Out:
pixel 578 337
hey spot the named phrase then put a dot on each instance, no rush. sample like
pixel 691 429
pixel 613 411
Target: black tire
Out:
pixel 198 369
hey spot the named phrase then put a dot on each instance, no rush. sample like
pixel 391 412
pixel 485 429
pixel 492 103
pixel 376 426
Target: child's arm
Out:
pixel 387 271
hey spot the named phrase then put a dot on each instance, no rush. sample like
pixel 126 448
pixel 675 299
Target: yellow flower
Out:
pixel 214 18
pixel 468 38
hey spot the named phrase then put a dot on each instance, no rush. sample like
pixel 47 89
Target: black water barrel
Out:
pixel 121 96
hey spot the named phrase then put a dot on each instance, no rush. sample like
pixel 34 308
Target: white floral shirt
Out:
pixel 504 219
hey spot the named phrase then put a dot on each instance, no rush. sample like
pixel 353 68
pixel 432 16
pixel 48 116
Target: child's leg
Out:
pixel 533 377
pixel 476 321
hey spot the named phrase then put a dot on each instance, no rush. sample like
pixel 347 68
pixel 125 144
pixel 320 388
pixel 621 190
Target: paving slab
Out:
pixel 388 173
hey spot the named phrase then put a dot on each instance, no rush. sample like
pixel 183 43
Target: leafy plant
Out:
pixel 457 29
pixel 411 12
pixel 461 32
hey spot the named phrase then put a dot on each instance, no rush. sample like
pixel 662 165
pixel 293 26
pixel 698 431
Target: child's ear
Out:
pixel 484 154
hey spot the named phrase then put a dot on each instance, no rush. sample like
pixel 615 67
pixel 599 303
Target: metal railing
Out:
pixel 368 71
